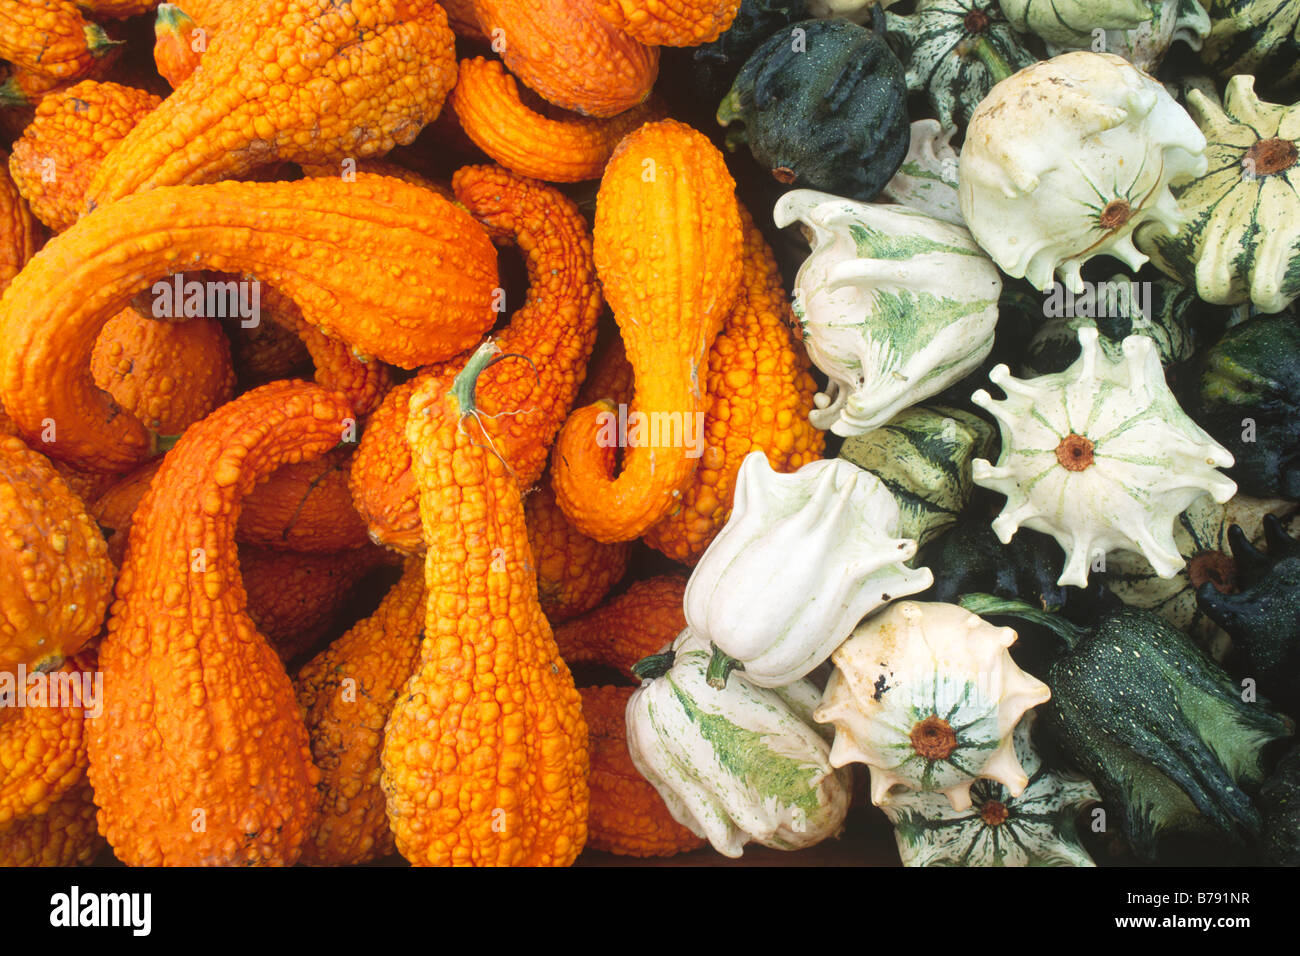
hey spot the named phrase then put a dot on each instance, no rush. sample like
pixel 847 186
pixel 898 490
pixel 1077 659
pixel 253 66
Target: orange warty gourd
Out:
pixel 670 22
pixel 55 575
pixel 485 753
pixel 525 398
pixel 637 623
pixel 179 44
pixel 265 352
pixel 668 245
pixel 627 815
pixel 559 149
pixel 58 153
pixel 305 506
pixel 331 80
pixel 25 89
pixel 760 392
pixel 569 55
pixel 19 233
pixel 43 746
pixel 167 374
pixel 200 721
pixel 347 692
pixel 574 572
pixel 383 167
pixel 395 270
pixel 49 37
pixel 609 376
pixel 65 835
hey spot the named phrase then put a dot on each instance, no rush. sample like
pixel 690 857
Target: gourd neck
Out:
pixel 988 604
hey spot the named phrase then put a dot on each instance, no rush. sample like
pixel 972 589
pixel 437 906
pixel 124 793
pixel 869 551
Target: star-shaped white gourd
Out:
pixel 1100 456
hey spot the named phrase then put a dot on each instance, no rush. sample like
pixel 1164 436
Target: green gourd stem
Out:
pixel 164 443
pixel 987 604
pixel 997 65
pixel 729 109
pixel 652 666
pixel 720 668
pixel 12 95
pixel 463 385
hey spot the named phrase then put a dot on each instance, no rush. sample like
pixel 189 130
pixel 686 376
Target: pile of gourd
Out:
pixel 1047 594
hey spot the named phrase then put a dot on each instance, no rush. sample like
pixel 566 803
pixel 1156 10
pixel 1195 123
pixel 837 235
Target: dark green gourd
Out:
pixel 714 65
pixel 1162 731
pixel 824 106
pixel 1279 802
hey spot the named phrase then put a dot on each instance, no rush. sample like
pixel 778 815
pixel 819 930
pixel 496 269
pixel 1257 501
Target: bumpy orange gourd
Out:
pixel 670 22
pixel 25 89
pixel 265 352
pixel 627 815
pixel 559 149
pixel 395 270
pixel 200 721
pixel 347 692
pixel 58 153
pixel 760 392
pixel 639 622
pixel 485 753
pixel 609 376
pixel 19 233
pixel 526 397
pixel 305 506
pixel 43 742
pixel 49 37
pixel 55 575
pixel 565 52
pixel 167 374
pixel 574 572
pixel 179 44
pixel 668 245
pixel 315 82
pixel 65 835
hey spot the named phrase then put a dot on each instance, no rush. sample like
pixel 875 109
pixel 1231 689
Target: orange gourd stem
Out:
pixel 639 622
pixel 19 233
pixel 525 398
pixel 55 576
pixel 200 722
pixel 485 753
pixel 59 151
pixel 668 245
pixel 627 815
pixel 167 374
pixel 179 43
pixel 331 80
pixel 560 149
pixel 574 572
pixel 760 392
pixel 678 23
pixel 566 53
pixel 397 271
pixel 294 597
pixel 347 692
pixel 65 835
pixel 49 37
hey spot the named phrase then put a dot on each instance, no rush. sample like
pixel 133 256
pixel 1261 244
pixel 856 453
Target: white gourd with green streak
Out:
pixel 895 306
pixel 955 51
pixel 1070 22
pixel 1241 241
pixel 922 456
pixel 737 764
pixel 1259 37
pixel 1037 828
pixel 802 559
pixel 1063 160
pixel 927 180
pixel 1101 457
pixel 1146 44
pixel 1201 534
pixel 927 696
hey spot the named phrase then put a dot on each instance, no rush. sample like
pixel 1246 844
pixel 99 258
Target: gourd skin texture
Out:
pixel 639 622
pixel 42 746
pixel 49 37
pixel 200 720
pixel 1259 37
pixel 485 754
pixel 565 52
pixel 760 394
pixel 395 270
pixel 347 693
pixel 167 374
pixel 55 576
pixel 59 151
pixel 175 35
pixel 19 233
pixel 304 506
pixel 927 179
pixel 627 815
pixel 574 572
pixel 668 248
pixel 557 149
pixel 317 82
pixel 65 835
pixel 670 23
pixel 1071 22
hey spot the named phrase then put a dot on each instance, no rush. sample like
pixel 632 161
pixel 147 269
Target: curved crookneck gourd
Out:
pixel 895 305
pixel 397 271
pixel 1063 160
pixel 201 756
pixel 1161 730
pixel 1101 457
pixel 803 559
pixel 927 696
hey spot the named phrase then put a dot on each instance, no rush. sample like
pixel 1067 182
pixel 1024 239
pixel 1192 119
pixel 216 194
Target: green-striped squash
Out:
pixel 1241 239
pixel 1260 37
